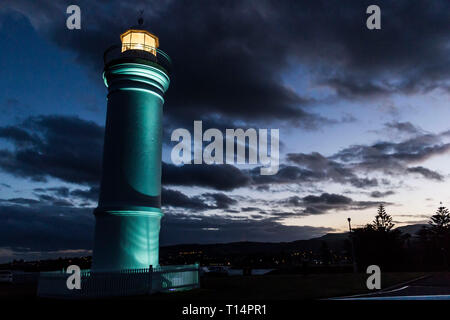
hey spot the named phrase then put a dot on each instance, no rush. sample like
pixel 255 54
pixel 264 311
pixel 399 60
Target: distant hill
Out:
pixel 412 229
pixel 333 237
pixel 335 241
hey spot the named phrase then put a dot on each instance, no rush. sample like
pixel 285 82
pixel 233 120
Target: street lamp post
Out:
pixel 352 240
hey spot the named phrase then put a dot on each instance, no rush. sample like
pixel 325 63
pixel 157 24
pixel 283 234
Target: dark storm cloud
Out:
pixel 42 200
pixel 409 54
pixel 23 201
pixel 205 201
pixel 286 174
pixel 220 177
pixel 404 127
pixel 174 198
pixel 218 56
pixel 69 148
pixel 55 201
pixel 64 196
pixel 293 201
pixel 18 136
pixel 312 204
pixel 229 56
pixel 63 147
pixel 44 228
pixel 379 194
pixel 326 198
pixel 217 229
pixel 426 173
pixel 60 191
pixel 390 158
pixel 326 169
pixel 90 194
pixel 221 200
pixel 248 209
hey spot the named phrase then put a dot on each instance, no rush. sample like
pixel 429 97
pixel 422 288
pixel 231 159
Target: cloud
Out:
pixel 220 177
pixel 403 127
pixel 20 137
pixel 232 55
pixel 59 191
pixel 205 201
pixel 44 227
pixel 326 198
pixel 379 194
pixel 174 198
pixel 220 51
pixel 390 158
pixel 323 203
pixel 69 148
pixel 86 194
pixel 323 168
pixel 218 229
pixel 391 155
pixel 39 231
pixel 393 158
pixel 24 201
pixel 222 201
pixel 426 173
pixel 63 147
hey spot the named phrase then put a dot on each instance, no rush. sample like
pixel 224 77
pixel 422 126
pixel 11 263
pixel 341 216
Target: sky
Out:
pixel 363 116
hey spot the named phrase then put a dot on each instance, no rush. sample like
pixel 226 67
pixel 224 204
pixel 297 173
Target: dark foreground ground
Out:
pixel 431 287
pixel 267 287
pixel 286 287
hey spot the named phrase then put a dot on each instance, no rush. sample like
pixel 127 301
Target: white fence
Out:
pixel 129 282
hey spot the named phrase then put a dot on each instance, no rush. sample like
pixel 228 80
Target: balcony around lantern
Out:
pixel 138 52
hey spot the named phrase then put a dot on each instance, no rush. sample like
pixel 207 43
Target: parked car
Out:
pixel 6 276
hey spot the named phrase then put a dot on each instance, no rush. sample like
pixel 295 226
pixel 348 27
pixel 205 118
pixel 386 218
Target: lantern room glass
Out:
pixel 139 40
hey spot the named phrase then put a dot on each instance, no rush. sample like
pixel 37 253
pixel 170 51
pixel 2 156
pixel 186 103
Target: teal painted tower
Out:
pixel 129 212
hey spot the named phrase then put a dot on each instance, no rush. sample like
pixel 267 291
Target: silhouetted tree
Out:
pixel 378 243
pixel 383 221
pixel 434 241
pixel 436 238
pixel 440 221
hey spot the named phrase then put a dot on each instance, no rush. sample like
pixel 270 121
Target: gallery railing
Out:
pixel 150 54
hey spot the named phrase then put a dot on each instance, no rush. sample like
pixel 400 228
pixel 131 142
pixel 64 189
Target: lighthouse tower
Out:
pixel 128 215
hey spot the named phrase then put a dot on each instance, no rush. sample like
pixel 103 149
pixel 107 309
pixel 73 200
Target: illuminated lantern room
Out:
pixel 134 39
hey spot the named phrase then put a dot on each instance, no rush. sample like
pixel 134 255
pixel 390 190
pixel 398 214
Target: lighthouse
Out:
pixel 128 216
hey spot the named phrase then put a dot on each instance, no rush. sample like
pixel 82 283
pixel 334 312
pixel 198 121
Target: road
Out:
pixel 433 287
